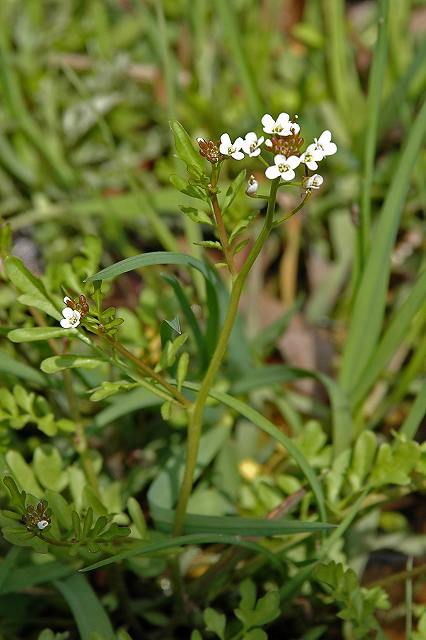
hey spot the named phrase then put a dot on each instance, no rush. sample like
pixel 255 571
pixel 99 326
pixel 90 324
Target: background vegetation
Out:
pixel 316 416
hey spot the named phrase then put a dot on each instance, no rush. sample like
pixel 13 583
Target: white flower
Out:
pixel 283 167
pixel 314 182
pixel 310 158
pixel 323 145
pixel 228 148
pixel 71 318
pixel 42 524
pixel 67 299
pixel 282 126
pixel 251 144
pixel 252 186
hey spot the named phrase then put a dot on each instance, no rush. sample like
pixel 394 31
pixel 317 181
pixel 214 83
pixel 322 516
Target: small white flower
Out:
pixel 252 186
pixel 314 182
pixel 42 524
pixel 228 148
pixel 323 145
pixel 282 126
pixel 310 158
pixel 251 144
pixel 71 318
pixel 283 167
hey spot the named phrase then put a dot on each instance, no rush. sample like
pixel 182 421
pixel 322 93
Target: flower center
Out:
pixel 277 128
pixel 74 319
pixel 253 146
pixel 283 168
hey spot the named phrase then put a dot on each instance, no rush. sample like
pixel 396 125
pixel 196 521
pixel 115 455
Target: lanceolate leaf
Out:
pixel 33 290
pixel 369 306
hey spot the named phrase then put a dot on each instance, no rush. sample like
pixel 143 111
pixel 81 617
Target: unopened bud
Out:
pixel 252 186
pixel 314 182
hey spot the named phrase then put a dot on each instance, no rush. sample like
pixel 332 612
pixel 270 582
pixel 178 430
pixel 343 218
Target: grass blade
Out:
pixel 369 306
pixel 232 30
pixel 416 414
pixel 391 340
pixel 375 89
pixel 174 543
pixel 89 614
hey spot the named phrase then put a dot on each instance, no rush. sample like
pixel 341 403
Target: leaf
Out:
pixel 215 622
pixel 416 414
pixel 265 611
pixel 392 339
pixel 144 548
pixel 24 577
pixel 209 244
pixel 10 365
pixel 69 361
pixel 23 473
pixel 186 151
pixel 60 508
pixel 154 258
pixel 32 334
pixel 362 459
pixel 34 292
pixel 265 425
pixel 48 466
pixel 369 306
pixel 108 389
pixel 88 612
pixel 196 215
pixel 233 191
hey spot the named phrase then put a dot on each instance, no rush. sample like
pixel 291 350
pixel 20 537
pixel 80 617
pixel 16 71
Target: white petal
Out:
pixel 316 153
pixel 260 140
pixel 280 159
pixel 254 153
pixel 67 299
pixel 312 165
pixel 251 137
pixel 225 139
pixel 268 123
pixel 272 172
pixel 68 312
pixel 288 175
pixel 330 149
pixel 325 137
pixel 283 120
pixel 268 143
pixel 237 155
pixel 295 128
pixel 65 323
pixel 238 143
pixel 293 161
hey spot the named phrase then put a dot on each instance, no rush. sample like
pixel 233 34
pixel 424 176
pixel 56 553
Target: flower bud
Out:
pixel 314 182
pixel 252 186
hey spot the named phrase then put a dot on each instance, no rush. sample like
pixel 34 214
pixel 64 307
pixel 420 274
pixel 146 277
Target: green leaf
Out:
pixel 144 548
pixel 233 191
pixel 32 334
pixel 155 258
pixel 362 459
pixel 69 361
pixel 248 595
pixel 416 414
pixel 33 290
pixel 196 215
pixel 60 508
pixel 48 467
pixel 391 340
pixel 215 622
pixel 24 577
pixel 265 611
pixel 23 473
pixel 108 389
pixel 10 365
pixel 88 612
pixel 369 306
pixel 268 427
pixel 186 151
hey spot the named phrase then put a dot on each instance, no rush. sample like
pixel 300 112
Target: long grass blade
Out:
pixel 369 306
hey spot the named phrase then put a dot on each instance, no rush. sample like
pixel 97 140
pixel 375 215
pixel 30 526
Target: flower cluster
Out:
pixel 74 312
pixel 285 143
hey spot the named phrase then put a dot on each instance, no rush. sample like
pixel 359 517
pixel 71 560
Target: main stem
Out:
pixel 197 410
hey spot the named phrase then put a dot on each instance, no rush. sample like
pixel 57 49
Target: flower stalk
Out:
pixel 197 410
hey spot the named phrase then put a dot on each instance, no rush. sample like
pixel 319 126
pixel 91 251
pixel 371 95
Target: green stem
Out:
pixel 197 410
pixel 223 236
pixel 148 371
